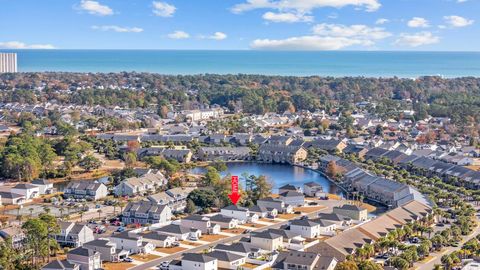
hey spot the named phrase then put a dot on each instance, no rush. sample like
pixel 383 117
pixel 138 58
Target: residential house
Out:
pixel 331 146
pixel 61 265
pixel 28 190
pixel 10 198
pixel 288 187
pixel 272 153
pixel 179 195
pixel 352 211
pixel 15 234
pixel 158 239
pixel 227 260
pixel 90 191
pixel 264 212
pixel 266 240
pixel 224 222
pixel 146 212
pixel 140 185
pixel 107 249
pixel 224 153
pixel 180 232
pixel 288 260
pixel 44 186
pixel 305 227
pixel 73 234
pixel 242 214
pixel 293 198
pixel 313 189
pixel 278 204
pixel 132 242
pixel 202 223
pixel 194 261
pixel 87 259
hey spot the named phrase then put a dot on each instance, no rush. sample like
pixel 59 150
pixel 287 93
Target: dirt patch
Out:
pixel 236 231
pixel 310 209
pixel 144 257
pixel 190 243
pixel 213 237
pixel 170 250
pixel 287 216
pixel 474 167
pixel 254 225
pixel 334 197
pixel 117 266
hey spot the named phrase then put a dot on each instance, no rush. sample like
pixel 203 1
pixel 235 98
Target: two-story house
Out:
pixel 146 212
pixel 73 234
pixel 202 223
pixel 87 190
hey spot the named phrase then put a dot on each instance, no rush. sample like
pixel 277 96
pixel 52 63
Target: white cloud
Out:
pixel 304 6
pixel 95 8
pixel 118 29
pixel 312 43
pixel 457 21
pixel 382 21
pixel 326 37
pixel 417 39
pixel 21 45
pixel 178 35
pixel 461 1
pixel 358 31
pixel 418 22
pixel 163 9
pixel 216 36
pixel 286 17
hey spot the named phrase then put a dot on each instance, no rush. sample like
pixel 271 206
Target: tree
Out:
pixel 220 166
pixel 347 265
pixel 400 263
pixel 90 163
pixel 203 198
pixel 332 169
pixel 190 207
pixel 369 265
pixel 211 177
pixel 130 159
pixel 37 240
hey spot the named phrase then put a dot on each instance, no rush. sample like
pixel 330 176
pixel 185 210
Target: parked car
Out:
pixel 164 265
pixel 193 238
pixel 128 259
pixel 121 229
pixel 175 244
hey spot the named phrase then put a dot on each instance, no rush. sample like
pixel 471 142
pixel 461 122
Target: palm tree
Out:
pixel 99 211
pixel 31 211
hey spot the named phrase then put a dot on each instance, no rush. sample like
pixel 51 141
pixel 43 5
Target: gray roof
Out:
pixel 194 257
pixel 61 265
pixel 175 229
pixel 224 256
pixel 81 251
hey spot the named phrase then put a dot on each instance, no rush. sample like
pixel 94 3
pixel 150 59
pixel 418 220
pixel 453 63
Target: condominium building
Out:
pixel 8 62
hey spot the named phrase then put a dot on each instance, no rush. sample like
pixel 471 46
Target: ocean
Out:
pixel 325 63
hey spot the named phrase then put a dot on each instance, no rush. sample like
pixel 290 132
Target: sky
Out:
pixel 387 25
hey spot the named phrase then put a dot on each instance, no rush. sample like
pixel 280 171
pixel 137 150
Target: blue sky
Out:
pixel 436 25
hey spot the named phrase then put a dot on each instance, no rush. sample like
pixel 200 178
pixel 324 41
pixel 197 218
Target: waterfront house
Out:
pixel 147 183
pixel 276 204
pixel 73 234
pixel 293 198
pixel 273 153
pixel 90 191
pixel 352 211
pixel 313 189
pixel 146 212
pixel 288 187
pixel 224 153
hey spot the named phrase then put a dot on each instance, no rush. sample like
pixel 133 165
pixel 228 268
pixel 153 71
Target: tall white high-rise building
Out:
pixel 8 62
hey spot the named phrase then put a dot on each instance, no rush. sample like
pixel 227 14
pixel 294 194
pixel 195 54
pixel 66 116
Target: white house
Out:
pixel 227 260
pixel 242 214
pixel 88 259
pixel 44 186
pixel 28 190
pixel 139 185
pixel 224 221
pixel 132 242
pixel 180 232
pixel 202 223
pixel 266 240
pixel 10 198
pixel 194 261
pixel 294 198
pixel 158 239
pixel 305 227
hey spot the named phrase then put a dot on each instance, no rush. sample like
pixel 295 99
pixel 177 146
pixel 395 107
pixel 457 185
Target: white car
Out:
pixel 164 265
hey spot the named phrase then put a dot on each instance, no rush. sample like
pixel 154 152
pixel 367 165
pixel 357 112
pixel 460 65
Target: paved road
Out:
pixel 438 256
pixel 329 206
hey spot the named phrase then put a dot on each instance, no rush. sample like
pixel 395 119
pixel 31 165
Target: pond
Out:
pixel 278 174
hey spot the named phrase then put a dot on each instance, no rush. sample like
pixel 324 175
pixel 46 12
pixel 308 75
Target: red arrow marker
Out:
pixel 234 196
